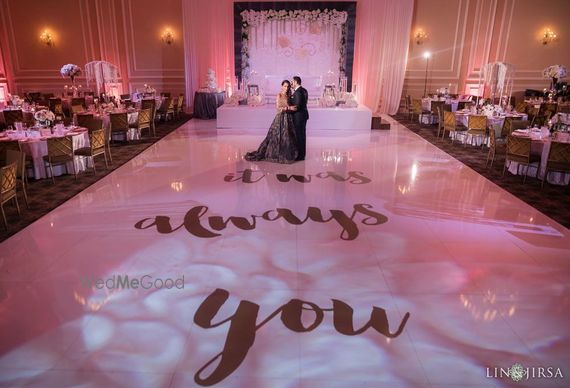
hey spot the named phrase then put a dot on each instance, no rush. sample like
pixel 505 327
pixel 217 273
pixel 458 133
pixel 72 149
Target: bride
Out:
pixel 280 144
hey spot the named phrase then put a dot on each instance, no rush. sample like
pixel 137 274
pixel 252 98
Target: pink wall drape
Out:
pixel 381 51
pixel 208 42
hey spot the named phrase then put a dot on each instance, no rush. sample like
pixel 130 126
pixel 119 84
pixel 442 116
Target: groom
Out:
pixel 298 104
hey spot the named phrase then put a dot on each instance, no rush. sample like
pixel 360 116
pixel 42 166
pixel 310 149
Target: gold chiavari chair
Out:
pixel 18 157
pixel 450 125
pixel 409 108
pixel 143 121
pixel 96 147
pixel 120 124
pixel 180 105
pixel 558 159
pixel 493 146
pixel 518 150
pixel 435 105
pixel 418 110
pixel 521 107
pixel 165 94
pixel 440 123
pixel 75 109
pixel 551 107
pixel 162 111
pixel 477 127
pixel 60 151
pixel 540 120
pixel 506 129
pixel 8 188
pixel 96 124
pixel 150 104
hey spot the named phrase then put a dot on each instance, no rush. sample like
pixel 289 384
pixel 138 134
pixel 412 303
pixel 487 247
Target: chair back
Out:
pixel 119 121
pixel 18 157
pixel 79 101
pixel 6 146
pixel 560 153
pixel 447 108
pixel 60 146
pixel 417 106
pixel 13 116
pixel 521 107
pixel 507 126
pixel 125 97
pixel 551 107
pixel 519 124
pixel 84 119
pixel 519 147
pixel 165 105
pixel 145 117
pixel 180 103
pixel 449 121
pixel 435 105
pixel 477 122
pixel 97 139
pixel 94 124
pixel 77 108
pixel 8 181
pixel 165 94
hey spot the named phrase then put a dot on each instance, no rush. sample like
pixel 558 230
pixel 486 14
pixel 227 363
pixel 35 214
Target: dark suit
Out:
pixel 299 99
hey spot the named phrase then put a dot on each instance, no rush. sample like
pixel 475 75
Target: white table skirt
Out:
pixel 426 104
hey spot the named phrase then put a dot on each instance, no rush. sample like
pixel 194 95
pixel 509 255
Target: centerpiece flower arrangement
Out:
pixel 70 70
pixel 555 72
pixel 149 89
pixel 44 116
pixel 15 100
pixel 491 110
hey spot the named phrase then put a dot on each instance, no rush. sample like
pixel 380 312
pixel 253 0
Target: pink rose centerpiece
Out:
pixel 44 117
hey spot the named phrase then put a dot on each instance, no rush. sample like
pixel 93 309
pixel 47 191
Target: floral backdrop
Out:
pixel 276 43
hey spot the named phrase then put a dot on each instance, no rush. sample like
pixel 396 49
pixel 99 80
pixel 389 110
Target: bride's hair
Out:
pixel 288 92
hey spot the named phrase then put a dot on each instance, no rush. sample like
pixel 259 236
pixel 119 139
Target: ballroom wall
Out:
pixel 124 32
pixel 463 35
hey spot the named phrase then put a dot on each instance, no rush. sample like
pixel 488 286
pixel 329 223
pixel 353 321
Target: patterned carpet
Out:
pixel 43 196
pixel 554 201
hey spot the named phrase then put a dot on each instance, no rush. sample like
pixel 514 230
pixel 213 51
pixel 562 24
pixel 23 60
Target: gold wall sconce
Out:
pixel 548 36
pixel 168 36
pixel 46 38
pixel 420 36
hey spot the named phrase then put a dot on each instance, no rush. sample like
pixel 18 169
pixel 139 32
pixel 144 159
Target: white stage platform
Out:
pixel 260 117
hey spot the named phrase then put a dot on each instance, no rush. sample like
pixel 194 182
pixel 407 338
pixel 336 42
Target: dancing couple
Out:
pixel 286 139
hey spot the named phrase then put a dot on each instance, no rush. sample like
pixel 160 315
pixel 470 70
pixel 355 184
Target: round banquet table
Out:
pixel 206 103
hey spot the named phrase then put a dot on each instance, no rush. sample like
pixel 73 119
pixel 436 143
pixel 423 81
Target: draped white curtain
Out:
pixel 383 30
pixel 208 42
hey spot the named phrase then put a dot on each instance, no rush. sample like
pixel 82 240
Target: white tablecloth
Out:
pixel 492 122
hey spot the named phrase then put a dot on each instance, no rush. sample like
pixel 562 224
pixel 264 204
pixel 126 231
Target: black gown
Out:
pixel 280 144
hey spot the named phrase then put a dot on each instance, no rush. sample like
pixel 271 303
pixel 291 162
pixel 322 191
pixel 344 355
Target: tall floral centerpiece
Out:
pixel 555 72
pixel 70 70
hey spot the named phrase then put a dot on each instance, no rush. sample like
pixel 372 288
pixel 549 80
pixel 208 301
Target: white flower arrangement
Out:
pixel 44 115
pixel 70 70
pixel 328 16
pixel 491 110
pixel 555 71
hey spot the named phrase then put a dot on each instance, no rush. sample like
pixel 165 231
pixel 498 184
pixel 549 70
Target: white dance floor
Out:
pixel 260 117
pixel 380 261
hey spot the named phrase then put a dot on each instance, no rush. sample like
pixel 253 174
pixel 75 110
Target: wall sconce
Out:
pixel 46 38
pixel 420 36
pixel 548 37
pixel 168 36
